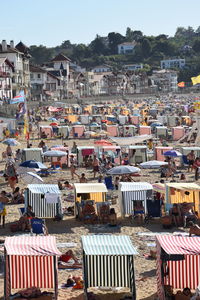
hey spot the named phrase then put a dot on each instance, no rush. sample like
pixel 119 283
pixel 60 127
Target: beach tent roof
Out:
pixel 179 244
pixel 108 245
pixel 130 140
pixel 90 188
pixel 32 149
pixel 134 186
pixel 31 245
pixel 184 186
pixel 191 148
pixel 43 188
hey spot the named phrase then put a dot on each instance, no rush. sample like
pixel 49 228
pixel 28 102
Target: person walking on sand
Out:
pixel 191 159
pixel 95 165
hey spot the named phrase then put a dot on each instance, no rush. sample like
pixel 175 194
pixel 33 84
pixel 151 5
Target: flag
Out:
pixel 18 99
pixel 181 84
pixel 26 127
pixel 195 80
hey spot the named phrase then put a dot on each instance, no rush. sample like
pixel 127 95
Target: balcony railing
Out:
pixel 4 74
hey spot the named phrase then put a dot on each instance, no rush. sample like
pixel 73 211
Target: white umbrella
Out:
pixel 153 164
pixel 54 153
pixel 30 177
pixel 122 170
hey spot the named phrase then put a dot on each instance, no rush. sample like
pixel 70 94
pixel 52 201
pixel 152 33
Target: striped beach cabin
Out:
pixel 133 191
pixel 178 263
pixel 36 195
pixel 30 261
pixel 108 262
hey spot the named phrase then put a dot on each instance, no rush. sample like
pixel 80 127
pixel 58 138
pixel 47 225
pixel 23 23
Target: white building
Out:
pixel 172 63
pixel 6 71
pixel 19 57
pixel 44 85
pixel 133 67
pixel 165 80
pixel 126 48
pixel 101 69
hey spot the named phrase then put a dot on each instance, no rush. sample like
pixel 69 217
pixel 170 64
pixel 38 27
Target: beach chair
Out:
pixel 108 183
pixel 103 211
pixel 38 226
pixel 21 211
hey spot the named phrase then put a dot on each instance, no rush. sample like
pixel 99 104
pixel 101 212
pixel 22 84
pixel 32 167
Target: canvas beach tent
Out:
pixel 133 191
pixel 108 261
pixel 30 261
pixel 178 263
pixel 45 200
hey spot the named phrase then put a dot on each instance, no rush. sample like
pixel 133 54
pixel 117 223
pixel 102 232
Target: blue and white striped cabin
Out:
pixel 35 196
pixel 133 191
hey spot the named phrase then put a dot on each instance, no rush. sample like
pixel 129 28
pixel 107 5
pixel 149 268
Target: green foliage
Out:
pixel 149 50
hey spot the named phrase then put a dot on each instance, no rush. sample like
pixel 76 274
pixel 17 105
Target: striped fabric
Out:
pixel 36 199
pixel 107 270
pixel 28 271
pixel 180 244
pixel 182 273
pixel 31 245
pixel 160 289
pixel 108 261
pixel 31 261
pixel 108 245
pixel 129 198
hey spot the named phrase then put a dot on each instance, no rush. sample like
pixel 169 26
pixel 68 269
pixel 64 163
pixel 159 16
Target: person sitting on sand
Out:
pixel 194 229
pixel 68 186
pixel 88 212
pixel 17 196
pixel 112 217
pixel 69 255
pixel 82 178
pixel 175 213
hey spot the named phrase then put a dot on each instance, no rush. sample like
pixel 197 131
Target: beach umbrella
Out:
pixel 53 124
pixel 57 146
pixel 31 178
pixel 122 170
pixel 103 143
pixel 54 153
pixel 172 153
pixel 32 164
pixel 156 124
pixel 153 164
pixel 11 142
pixel 52 119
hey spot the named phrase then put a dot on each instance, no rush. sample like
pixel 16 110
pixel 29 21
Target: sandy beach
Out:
pixel 70 230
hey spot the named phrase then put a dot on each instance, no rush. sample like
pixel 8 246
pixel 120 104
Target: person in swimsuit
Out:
pixel 175 213
pixel 191 159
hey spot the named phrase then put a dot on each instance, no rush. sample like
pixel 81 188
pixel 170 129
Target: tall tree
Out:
pixel 146 48
pixel 114 39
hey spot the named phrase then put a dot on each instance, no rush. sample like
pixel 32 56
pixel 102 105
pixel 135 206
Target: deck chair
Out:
pixel 108 183
pixel 103 211
pixel 38 226
pixel 21 211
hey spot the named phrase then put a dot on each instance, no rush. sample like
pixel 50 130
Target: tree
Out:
pixel 180 32
pixel 114 39
pixel 41 54
pixel 98 46
pixel 196 46
pixel 146 48
pixel 137 35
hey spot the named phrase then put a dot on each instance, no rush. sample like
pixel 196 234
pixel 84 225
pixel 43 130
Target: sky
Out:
pixel 50 22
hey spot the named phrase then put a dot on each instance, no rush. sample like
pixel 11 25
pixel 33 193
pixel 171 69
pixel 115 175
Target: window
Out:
pixel 39 76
